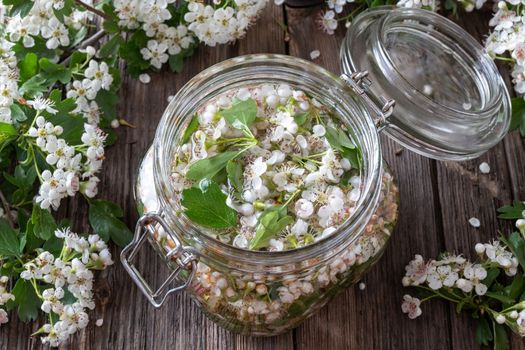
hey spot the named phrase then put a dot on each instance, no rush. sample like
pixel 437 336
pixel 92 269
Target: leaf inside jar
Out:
pixel 206 206
pixel 271 222
pixel 242 114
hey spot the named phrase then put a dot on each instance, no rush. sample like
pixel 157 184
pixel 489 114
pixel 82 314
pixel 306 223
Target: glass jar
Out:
pixel 266 293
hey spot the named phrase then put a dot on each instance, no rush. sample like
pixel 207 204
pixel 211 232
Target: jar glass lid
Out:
pixel 451 101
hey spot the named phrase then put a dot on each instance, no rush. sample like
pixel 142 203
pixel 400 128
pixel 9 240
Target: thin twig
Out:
pixel 92 9
pixel 95 37
pixel 7 209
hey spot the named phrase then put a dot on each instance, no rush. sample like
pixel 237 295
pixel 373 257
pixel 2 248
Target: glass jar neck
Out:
pixel 256 70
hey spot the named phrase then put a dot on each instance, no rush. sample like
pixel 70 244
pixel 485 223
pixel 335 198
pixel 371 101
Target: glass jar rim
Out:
pixel 208 79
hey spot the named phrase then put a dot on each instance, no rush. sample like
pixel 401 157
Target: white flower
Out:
pixel 411 307
pixel 74 317
pixel 56 33
pixel 475 273
pixel 81 91
pixel 99 73
pixel 42 104
pixel 52 189
pixel 60 153
pixel 90 188
pixel 417 270
pixel 303 208
pixel 299 228
pixel 155 53
pixel 441 276
pixel 327 21
pixel 94 138
pixel 52 301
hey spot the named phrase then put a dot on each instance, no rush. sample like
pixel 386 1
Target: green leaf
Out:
pixel 111 26
pixel 235 174
pixel 340 141
pixel 26 300
pixel 7 134
pixel 512 212
pixel 516 288
pixel 104 217
pixel 499 296
pixel 28 66
pixel 492 274
pixel 54 72
pixel 501 340
pixel 207 206
pixel 107 102
pixel 176 62
pixel 208 167
pixel 111 47
pixel 518 115
pixel 44 225
pixel 192 127
pixel 17 113
pixel 270 223
pixel 242 114
pixel 34 86
pixel 483 332
pixel 21 7
pixel 301 118
pixel 9 243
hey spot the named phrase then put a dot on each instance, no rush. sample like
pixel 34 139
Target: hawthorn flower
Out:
pixel 155 53
pixel 22 29
pixel 52 301
pixel 52 189
pixel 416 271
pixel 475 274
pixel 43 104
pixel 56 33
pixel 94 138
pixel 99 75
pixel 327 22
pixel 81 91
pixel 441 276
pixel 3 317
pixel 59 153
pixel 411 307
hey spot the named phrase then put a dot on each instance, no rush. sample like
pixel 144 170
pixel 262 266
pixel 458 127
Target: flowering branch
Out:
pixel 478 287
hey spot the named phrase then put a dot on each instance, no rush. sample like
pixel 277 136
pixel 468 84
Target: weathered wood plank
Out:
pixel 372 318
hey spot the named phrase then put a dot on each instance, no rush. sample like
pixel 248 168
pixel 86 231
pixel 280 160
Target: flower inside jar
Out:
pixel 267 168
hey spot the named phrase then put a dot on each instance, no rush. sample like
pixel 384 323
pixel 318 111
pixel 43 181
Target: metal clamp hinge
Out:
pixel 184 258
pixel 360 83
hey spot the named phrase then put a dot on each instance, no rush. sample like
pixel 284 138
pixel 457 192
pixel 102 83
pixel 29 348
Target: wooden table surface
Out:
pixel 437 199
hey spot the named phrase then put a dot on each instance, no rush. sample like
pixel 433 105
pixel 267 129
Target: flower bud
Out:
pixel 500 319
pixel 480 248
pixel 520 224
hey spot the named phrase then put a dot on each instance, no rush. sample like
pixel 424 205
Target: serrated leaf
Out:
pixel 9 243
pixel 209 167
pixel 340 141
pixel 44 225
pixel 26 301
pixel 483 332
pixel 271 222
pixel 54 72
pixel 34 86
pixel 176 62
pixel 104 217
pixel 500 296
pixel 19 7
pixel 512 212
pixel 111 26
pixel 17 113
pixel 492 274
pixel 107 102
pixel 241 114
pixel 206 206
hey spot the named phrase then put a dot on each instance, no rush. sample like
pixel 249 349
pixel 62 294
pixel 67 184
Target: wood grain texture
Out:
pixel 437 198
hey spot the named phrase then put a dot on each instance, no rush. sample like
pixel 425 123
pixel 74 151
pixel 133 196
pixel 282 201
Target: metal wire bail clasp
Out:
pixel 360 83
pixel 185 259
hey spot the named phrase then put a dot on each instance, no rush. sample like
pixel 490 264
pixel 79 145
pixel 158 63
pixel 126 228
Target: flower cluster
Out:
pixel 5 296
pixel 172 30
pixel 8 80
pixel 293 156
pixel 508 36
pixel 70 163
pixel 68 274
pixel 41 22
pixel 475 286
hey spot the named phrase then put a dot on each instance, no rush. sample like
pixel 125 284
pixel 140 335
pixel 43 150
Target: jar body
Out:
pixel 272 302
